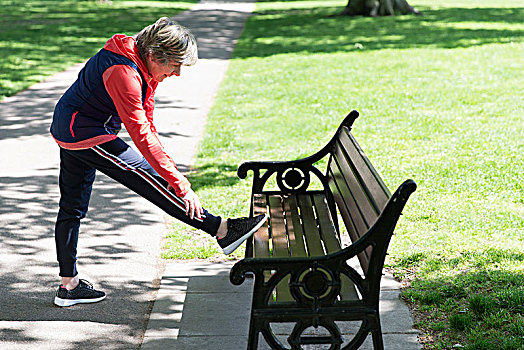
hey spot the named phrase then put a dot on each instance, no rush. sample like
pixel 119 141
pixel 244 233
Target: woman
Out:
pixel 117 86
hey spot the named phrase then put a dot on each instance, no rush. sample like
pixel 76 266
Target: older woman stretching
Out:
pixel 117 86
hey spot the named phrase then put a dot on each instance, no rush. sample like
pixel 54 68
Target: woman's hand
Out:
pixel 193 206
pixel 192 203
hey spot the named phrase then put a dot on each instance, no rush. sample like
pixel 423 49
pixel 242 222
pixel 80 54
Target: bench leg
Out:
pixel 252 342
pixel 378 343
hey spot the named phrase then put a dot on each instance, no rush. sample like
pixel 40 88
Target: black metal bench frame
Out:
pixel 311 284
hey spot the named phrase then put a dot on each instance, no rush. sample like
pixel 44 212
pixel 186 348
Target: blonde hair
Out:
pixel 167 41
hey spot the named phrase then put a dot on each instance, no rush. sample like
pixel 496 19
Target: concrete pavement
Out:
pixel 196 307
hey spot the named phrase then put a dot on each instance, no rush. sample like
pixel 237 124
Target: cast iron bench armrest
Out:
pixel 304 165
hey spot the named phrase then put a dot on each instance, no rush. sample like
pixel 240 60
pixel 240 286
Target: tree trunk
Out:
pixel 378 8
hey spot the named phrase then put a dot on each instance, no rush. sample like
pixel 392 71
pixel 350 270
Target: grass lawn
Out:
pixel 42 37
pixel 440 97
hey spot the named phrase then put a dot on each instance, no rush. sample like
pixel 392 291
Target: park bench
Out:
pixel 318 260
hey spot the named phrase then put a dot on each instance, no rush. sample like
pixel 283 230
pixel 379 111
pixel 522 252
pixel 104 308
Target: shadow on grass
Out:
pixel 470 271
pixel 477 298
pixel 49 34
pixel 213 175
pixel 318 31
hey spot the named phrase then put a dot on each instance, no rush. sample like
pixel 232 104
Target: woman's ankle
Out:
pixel 222 229
pixel 70 283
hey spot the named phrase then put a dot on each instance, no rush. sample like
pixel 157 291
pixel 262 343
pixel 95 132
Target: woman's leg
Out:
pixel 126 166
pixel 75 182
pixel 123 164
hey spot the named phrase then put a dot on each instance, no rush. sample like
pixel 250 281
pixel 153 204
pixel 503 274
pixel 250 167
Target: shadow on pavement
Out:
pixel 28 276
pixel 119 240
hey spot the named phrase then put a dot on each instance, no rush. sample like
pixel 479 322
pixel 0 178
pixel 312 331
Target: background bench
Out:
pixel 318 260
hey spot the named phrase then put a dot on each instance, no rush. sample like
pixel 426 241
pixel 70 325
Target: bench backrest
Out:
pixel 357 189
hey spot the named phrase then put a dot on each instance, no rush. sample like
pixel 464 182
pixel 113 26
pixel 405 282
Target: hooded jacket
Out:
pixel 115 87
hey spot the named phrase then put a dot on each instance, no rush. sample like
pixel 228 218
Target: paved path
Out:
pixel 198 308
pixel 119 247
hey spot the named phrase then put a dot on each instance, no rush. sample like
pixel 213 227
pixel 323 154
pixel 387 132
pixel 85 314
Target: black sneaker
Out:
pixel 238 230
pixel 83 293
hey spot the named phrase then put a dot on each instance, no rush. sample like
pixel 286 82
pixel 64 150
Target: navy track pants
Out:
pixel 123 164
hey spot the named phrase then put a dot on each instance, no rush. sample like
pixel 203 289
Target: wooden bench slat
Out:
pixel 343 209
pixel 348 290
pixel 364 205
pixel 294 227
pixel 345 200
pixel 351 228
pixel 327 227
pixel 280 244
pixel 261 237
pixel 283 294
pixel 278 228
pixel 375 185
pixel 314 244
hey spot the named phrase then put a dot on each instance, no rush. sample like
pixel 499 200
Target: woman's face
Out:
pixel 159 71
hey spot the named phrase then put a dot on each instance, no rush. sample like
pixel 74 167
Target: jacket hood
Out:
pixel 125 45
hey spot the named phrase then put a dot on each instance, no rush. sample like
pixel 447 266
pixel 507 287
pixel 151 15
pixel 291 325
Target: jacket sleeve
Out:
pixel 124 85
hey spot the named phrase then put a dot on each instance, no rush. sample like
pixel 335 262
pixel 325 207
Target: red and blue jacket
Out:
pixel 114 87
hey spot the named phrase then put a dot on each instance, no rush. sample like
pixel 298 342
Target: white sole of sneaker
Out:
pixel 233 246
pixel 70 302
